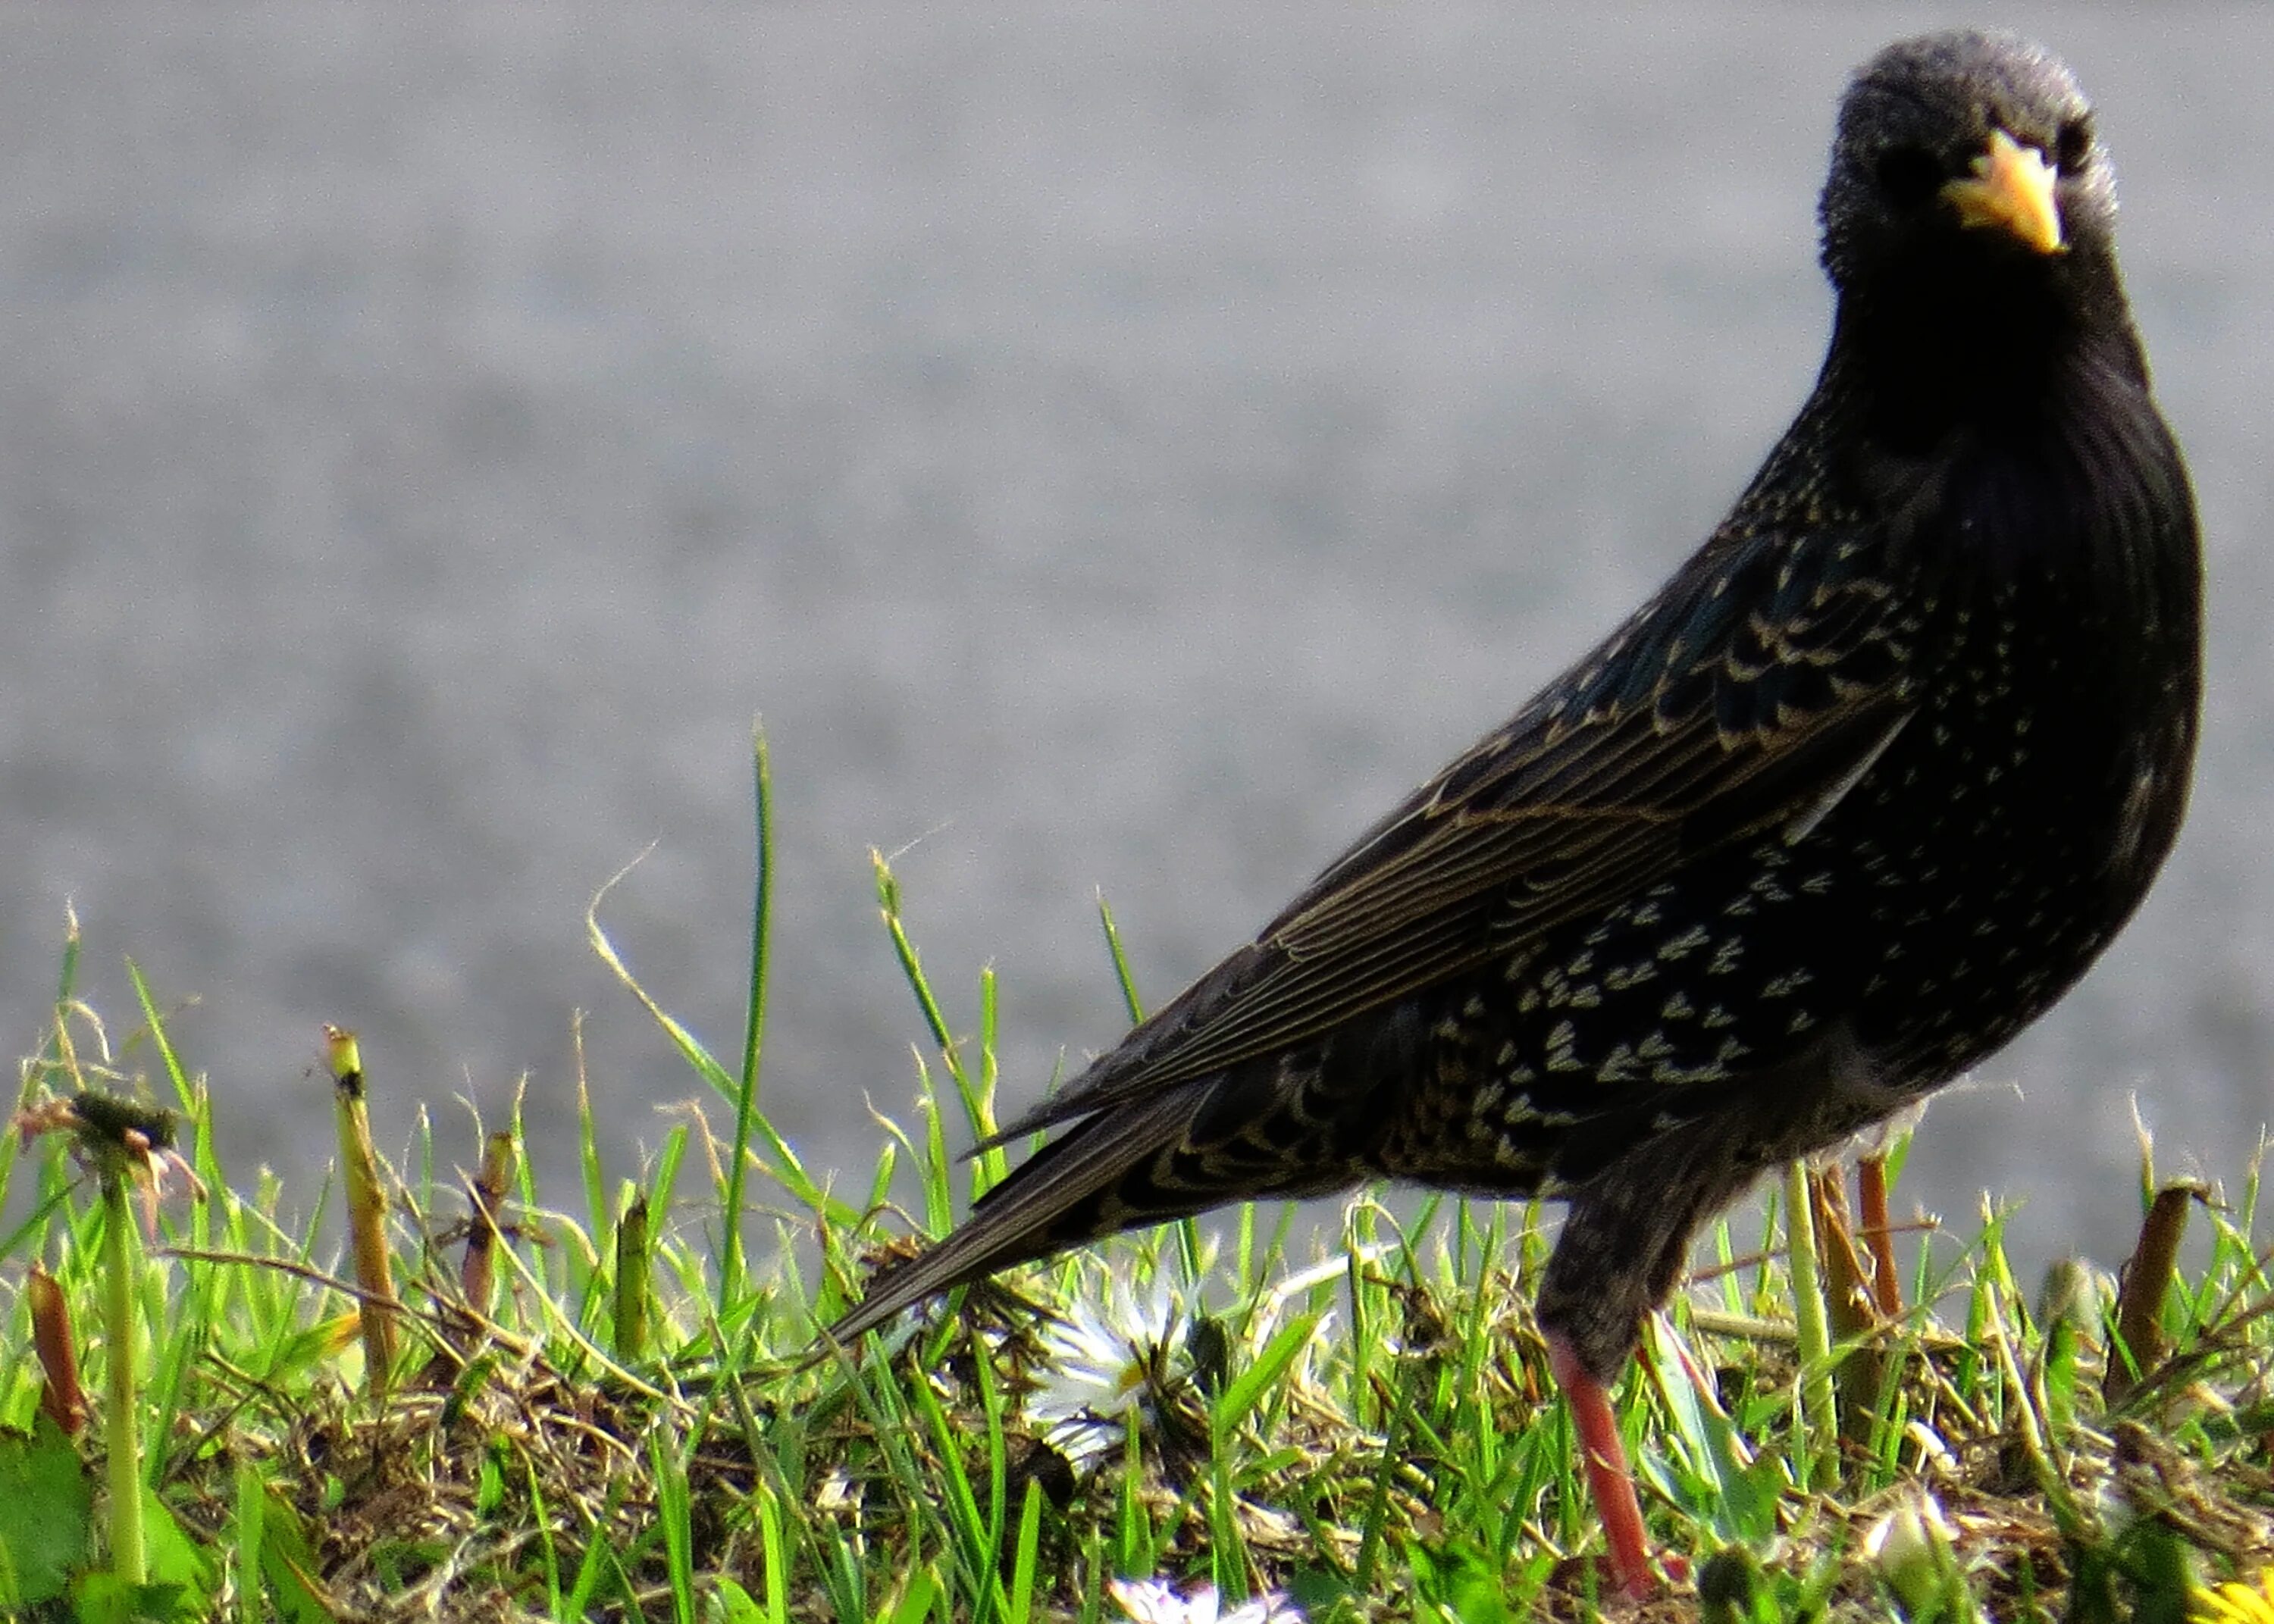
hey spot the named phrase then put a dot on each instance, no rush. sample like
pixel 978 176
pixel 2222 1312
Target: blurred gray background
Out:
pixel 1117 448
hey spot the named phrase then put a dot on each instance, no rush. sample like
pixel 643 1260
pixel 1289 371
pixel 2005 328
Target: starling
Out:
pixel 1853 798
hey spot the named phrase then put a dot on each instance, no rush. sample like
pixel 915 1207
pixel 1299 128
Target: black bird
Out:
pixel 1854 798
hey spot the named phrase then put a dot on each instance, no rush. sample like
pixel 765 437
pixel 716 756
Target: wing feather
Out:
pixel 1749 695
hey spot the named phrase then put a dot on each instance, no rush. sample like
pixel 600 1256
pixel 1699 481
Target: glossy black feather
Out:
pixel 1859 794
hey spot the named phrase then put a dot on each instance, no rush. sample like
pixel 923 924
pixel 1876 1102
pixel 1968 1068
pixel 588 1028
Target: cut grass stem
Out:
pixel 122 1395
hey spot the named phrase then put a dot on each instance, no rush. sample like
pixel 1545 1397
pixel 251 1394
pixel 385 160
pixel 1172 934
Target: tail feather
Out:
pixel 1019 1219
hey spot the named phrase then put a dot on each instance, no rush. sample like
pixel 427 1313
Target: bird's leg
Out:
pixel 1609 1479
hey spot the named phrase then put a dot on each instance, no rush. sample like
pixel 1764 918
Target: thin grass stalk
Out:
pixel 771 1544
pixel 121 1430
pixel 754 1031
pixel 587 1146
pixel 2052 1483
pixel 988 1166
pixel 189 1100
pixel 251 1524
pixel 1818 1427
pixel 1022 1556
pixel 1122 975
pixel 674 1518
pixel 630 1297
pixel 888 904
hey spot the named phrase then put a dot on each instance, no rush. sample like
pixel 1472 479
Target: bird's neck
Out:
pixel 2013 453
pixel 1923 352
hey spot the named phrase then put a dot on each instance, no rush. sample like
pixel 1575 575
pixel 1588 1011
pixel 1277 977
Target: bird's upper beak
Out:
pixel 2011 188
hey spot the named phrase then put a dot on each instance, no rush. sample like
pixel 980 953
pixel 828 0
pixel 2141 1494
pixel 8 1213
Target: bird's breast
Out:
pixel 2017 823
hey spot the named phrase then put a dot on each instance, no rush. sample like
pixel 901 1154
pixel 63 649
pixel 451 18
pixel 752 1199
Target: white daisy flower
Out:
pixel 1156 1601
pixel 1911 1547
pixel 1112 1357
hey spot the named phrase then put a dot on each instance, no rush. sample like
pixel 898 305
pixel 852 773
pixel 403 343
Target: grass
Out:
pixel 601 1404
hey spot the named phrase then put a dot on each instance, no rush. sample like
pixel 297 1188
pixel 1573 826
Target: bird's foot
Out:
pixel 1609 1479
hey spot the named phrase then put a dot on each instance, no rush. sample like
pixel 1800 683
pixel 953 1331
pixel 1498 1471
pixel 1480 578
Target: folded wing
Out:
pixel 1748 696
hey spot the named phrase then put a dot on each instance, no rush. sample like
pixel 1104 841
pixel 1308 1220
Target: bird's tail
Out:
pixel 1094 1179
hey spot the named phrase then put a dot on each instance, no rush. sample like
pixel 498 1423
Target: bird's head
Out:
pixel 1969 225
pixel 1965 160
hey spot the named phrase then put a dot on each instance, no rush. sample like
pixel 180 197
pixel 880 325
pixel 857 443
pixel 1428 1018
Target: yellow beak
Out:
pixel 2011 188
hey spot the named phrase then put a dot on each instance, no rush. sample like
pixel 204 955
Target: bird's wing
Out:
pixel 1750 694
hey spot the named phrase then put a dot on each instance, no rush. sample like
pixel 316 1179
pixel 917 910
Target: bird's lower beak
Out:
pixel 2012 189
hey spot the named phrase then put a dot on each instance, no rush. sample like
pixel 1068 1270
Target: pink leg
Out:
pixel 1608 1479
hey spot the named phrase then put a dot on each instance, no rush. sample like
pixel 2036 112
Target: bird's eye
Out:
pixel 2073 146
pixel 1909 175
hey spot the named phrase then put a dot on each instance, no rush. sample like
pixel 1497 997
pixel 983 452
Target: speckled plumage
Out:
pixel 1857 796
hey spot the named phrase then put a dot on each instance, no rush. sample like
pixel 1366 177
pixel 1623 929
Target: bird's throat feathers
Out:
pixel 2028 451
pixel 1971 336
